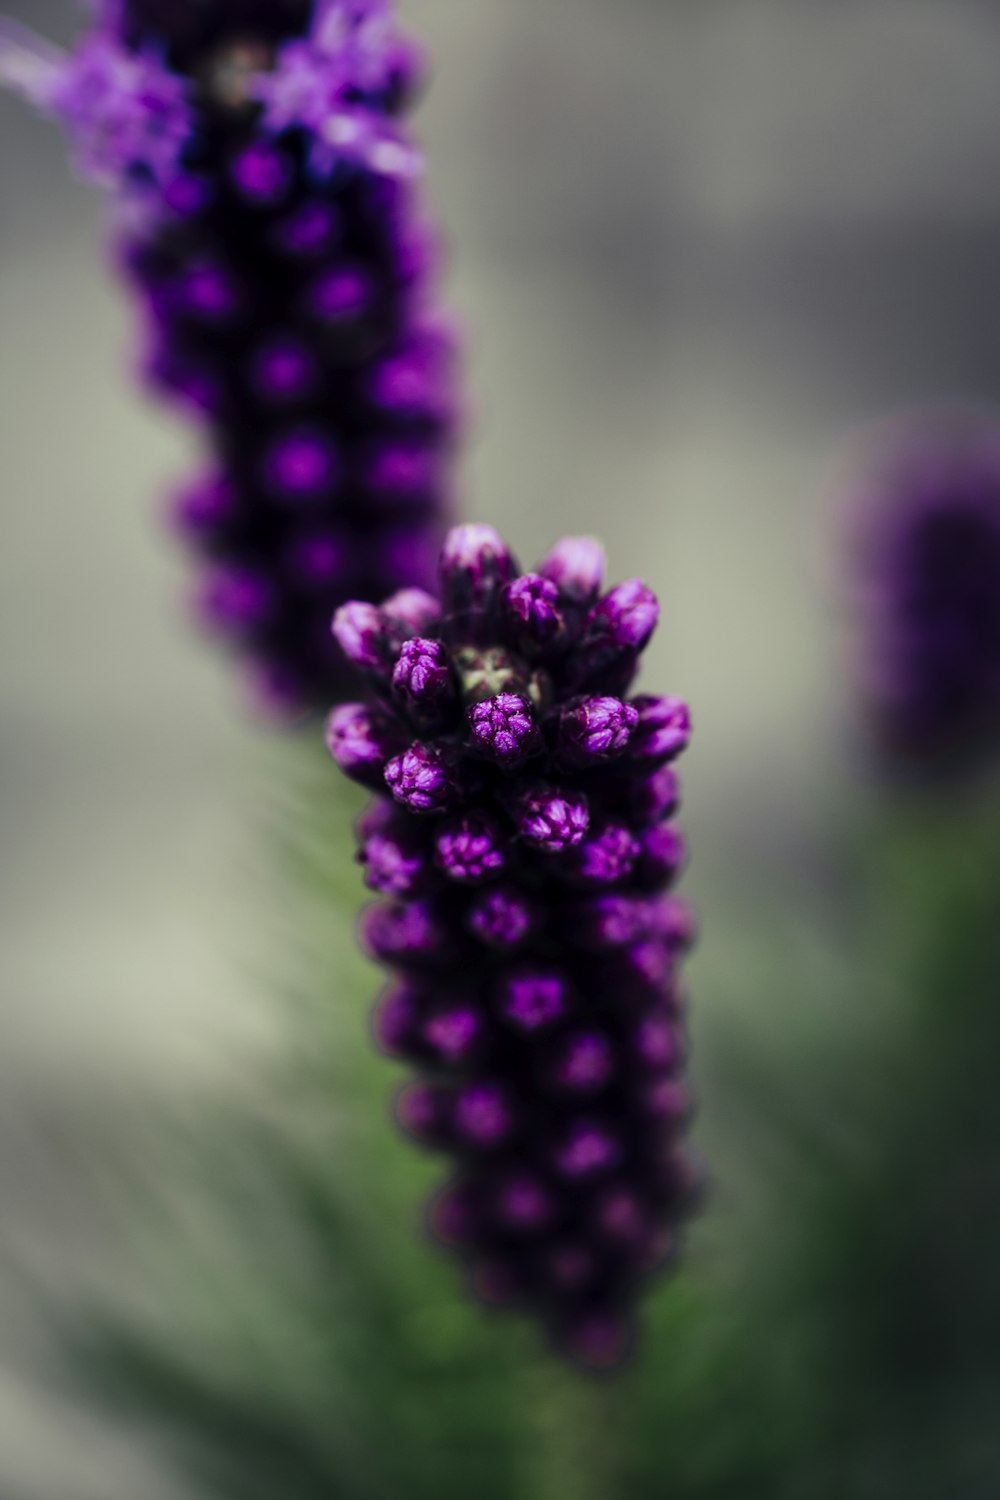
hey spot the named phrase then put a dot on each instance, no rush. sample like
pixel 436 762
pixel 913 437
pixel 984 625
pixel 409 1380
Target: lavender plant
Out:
pixel 272 234
pixel 929 569
pixel 524 842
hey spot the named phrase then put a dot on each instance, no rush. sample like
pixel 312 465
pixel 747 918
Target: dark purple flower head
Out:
pixel 927 586
pixel 527 851
pixel 274 238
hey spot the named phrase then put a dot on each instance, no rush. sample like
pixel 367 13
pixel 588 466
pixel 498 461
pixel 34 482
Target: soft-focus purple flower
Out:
pixel 270 227
pixel 525 830
pixel 926 583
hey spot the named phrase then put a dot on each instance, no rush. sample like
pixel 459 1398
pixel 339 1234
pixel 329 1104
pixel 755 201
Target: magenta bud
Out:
pixel 662 852
pixel 531 999
pixel 361 741
pixel 593 730
pixel 453 1033
pixel 523 1203
pixel 551 820
pixel 360 631
pixel 398 933
pixel 261 174
pixel 585 1063
pixel 421 779
pixel 531 613
pixel 576 566
pixel 483 1117
pixel 424 1111
pixel 475 565
pixel 603 859
pixel 663 730
pixel 423 680
pixel 471 849
pixel 501 918
pixel 588 1150
pixel 503 730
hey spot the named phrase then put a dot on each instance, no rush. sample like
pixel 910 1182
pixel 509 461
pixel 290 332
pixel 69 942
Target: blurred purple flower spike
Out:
pixel 518 837
pixel 269 226
pixel 926 579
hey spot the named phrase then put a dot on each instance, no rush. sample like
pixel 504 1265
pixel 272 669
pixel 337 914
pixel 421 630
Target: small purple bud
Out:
pixel 341 296
pixel 453 1033
pixel 551 820
pixel 475 566
pixel 311 231
pixel 471 849
pixel 401 934
pixel 649 799
pixel 360 631
pixel 301 467
pixel 483 1116
pixel 658 1043
pixel 393 864
pixel 627 616
pixel 501 918
pixel 604 859
pixel 317 559
pixel 398 1018
pixel 585 1064
pixel 531 999
pixel 283 370
pixel 361 741
pixel 411 612
pixel 663 730
pixel 610 921
pixel 587 1151
pixel 423 681
pixel 206 292
pixel 620 1217
pixel 662 852
pixel 421 779
pixel 592 730
pixel 403 471
pixel 423 1110
pixel 503 729
pixel 667 1102
pixel 205 507
pixel 261 174
pixel 523 1203
pixel 531 612
pixel 673 921
pixel 236 599
pixel 576 566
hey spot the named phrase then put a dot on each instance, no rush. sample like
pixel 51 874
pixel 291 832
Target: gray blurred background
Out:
pixel 695 244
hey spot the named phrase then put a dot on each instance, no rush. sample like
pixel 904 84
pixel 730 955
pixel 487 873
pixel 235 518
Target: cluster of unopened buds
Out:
pixel 524 842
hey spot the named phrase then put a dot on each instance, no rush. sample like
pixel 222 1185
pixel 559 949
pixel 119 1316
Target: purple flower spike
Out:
pixel 504 729
pixel 274 237
pixel 551 820
pixel 592 730
pixel 420 779
pixel 524 841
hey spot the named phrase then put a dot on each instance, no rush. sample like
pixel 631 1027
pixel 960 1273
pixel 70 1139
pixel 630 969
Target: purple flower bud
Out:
pixel 453 1033
pixel 587 1151
pixel 531 999
pixel 301 468
pixel 483 1116
pixel 619 1216
pixel 551 820
pixel 501 918
pixel 411 612
pixel 667 1102
pixel 592 730
pixel 658 1043
pixel 531 612
pixel 283 370
pixel 402 934
pixel 204 508
pixel 504 730
pixel 475 566
pixel 610 921
pixel 585 1063
pixel 394 864
pixel 421 779
pixel 310 231
pixel 423 681
pixel 341 296
pixel 647 799
pixel 576 566
pixel 236 600
pixel 361 741
pixel 615 633
pixel 662 854
pixel 398 1018
pixel 471 849
pixel 262 174
pixel 523 1203
pixel 424 1111
pixel 361 633
pixel 663 730
pixel 603 859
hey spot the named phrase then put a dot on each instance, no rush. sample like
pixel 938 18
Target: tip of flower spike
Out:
pixel 576 566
